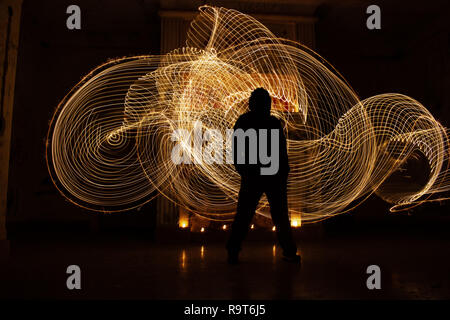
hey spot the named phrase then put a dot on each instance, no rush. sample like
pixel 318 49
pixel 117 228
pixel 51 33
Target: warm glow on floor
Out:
pixel 183 259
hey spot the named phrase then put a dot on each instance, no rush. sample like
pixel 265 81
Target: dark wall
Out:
pixel 51 60
pixel 409 55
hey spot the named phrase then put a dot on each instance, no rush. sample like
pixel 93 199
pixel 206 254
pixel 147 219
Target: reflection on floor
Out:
pixel 412 267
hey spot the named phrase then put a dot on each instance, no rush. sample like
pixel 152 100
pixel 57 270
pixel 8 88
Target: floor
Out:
pixel 413 266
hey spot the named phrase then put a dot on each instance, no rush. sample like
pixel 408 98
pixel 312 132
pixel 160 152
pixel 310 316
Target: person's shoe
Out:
pixel 233 257
pixel 293 258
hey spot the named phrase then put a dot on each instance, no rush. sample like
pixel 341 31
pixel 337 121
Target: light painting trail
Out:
pixel 109 144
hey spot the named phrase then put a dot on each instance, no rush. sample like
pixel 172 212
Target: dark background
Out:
pixel 409 55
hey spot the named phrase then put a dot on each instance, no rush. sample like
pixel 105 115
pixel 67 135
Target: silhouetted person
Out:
pixel 254 181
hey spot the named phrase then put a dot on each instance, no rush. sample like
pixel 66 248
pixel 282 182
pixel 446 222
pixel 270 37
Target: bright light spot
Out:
pixel 202 229
pixel 183 224
pixel 252 226
pixel 273 228
pixel 296 220
pixel 224 227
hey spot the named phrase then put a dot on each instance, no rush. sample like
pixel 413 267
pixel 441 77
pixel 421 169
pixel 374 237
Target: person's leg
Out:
pixel 248 200
pixel 277 196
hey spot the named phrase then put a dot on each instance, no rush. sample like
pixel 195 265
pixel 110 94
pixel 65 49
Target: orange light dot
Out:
pixel 183 225
pixel 297 222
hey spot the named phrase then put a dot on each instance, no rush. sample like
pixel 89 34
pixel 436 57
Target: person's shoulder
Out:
pixel 243 118
pixel 275 121
pixel 245 115
pixel 273 118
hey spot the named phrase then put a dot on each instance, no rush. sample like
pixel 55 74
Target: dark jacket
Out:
pixel 258 120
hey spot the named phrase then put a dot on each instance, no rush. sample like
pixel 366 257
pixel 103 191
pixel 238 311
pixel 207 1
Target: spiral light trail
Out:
pixel 109 143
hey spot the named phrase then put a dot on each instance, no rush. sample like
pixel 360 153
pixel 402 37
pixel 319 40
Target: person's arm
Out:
pixel 239 167
pixel 284 159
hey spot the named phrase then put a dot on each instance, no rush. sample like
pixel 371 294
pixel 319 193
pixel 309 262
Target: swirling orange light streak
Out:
pixel 109 143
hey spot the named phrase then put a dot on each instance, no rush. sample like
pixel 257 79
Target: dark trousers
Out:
pixel 252 188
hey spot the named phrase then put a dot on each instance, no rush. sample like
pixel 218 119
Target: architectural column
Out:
pixel 10 12
pixel 174 27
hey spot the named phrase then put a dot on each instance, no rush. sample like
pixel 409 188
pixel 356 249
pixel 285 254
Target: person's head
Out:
pixel 260 101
